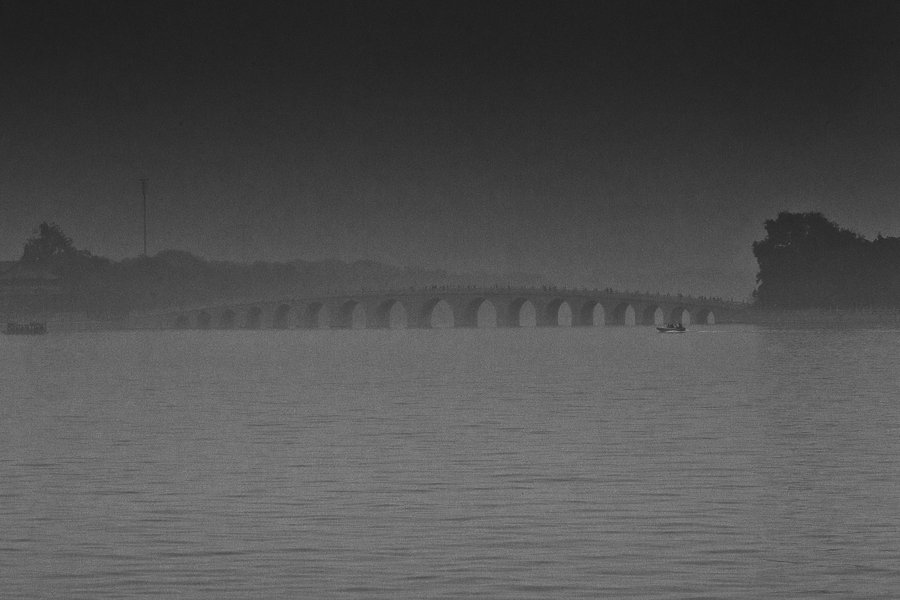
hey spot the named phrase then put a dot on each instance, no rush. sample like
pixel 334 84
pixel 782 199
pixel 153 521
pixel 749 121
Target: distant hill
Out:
pixel 100 287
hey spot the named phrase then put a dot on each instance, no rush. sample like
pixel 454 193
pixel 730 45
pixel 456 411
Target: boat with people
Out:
pixel 672 328
pixel 32 328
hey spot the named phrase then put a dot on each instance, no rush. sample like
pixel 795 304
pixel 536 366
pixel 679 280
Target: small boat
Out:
pixel 32 328
pixel 672 328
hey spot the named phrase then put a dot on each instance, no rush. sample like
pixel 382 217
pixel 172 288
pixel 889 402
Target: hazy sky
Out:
pixel 637 145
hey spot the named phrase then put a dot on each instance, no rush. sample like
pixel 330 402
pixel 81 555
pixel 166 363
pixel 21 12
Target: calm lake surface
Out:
pixel 610 462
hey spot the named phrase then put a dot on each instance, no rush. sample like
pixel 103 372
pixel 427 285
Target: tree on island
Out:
pixel 87 281
pixel 47 245
pixel 807 261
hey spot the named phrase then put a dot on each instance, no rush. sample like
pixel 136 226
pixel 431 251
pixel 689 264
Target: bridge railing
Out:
pixel 543 290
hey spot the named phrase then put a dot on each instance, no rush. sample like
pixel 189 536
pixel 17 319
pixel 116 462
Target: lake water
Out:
pixel 610 462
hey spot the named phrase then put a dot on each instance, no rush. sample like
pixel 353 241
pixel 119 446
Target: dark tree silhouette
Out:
pixel 48 243
pixel 807 261
pixel 87 282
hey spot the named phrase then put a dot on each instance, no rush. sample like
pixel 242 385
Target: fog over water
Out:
pixel 606 462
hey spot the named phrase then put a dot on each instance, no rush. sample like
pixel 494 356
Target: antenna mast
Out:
pixel 144 192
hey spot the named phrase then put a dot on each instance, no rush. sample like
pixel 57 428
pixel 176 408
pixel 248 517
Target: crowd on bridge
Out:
pixel 544 288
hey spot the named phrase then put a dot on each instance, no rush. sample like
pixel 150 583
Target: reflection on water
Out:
pixel 605 462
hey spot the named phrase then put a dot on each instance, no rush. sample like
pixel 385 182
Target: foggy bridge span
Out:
pixel 450 307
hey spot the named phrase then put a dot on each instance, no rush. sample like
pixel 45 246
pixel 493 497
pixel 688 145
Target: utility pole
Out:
pixel 144 192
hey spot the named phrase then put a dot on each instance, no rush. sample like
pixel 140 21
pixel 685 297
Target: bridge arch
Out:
pixel 590 314
pixel 679 314
pixel 623 313
pixel 316 316
pixel 651 315
pixel 350 314
pixel 431 308
pixel 204 321
pixel 227 320
pixel 485 314
pixel 703 316
pixel 282 317
pixel 253 319
pixel 550 315
pixel 518 308
pixel 387 314
pixel 477 312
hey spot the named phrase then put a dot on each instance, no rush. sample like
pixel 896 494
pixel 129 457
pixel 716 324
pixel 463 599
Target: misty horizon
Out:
pixel 624 144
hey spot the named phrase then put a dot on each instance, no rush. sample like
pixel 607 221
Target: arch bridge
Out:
pixel 445 306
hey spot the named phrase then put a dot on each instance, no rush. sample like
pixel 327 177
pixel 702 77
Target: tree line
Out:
pixel 101 288
pixel 808 261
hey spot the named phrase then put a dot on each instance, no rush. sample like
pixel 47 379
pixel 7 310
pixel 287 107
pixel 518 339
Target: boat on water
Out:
pixel 672 328
pixel 32 328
